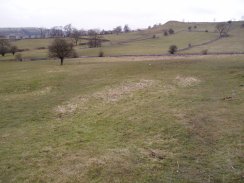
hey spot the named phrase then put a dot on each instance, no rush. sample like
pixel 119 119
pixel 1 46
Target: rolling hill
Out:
pixel 203 36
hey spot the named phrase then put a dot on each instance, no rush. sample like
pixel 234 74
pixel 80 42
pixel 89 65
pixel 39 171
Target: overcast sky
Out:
pixel 109 13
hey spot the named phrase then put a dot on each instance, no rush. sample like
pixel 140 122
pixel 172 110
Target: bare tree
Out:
pixel 43 32
pixel 68 30
pixel 126 28
pixel 117 30
pixel 13 49
pixel 95 39
pixel 56 31
pixel 75 35
pixel 4 46
pixel 83 32
pixel 61 49
pixel 223 28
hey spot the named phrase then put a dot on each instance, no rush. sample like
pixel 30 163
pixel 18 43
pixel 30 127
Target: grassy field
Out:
pixel 123 120
pixel 142 42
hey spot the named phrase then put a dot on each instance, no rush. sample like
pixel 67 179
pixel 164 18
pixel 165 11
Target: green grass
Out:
pixel 118 120
pixel 159 45
pixel 33 43
pixel 233 43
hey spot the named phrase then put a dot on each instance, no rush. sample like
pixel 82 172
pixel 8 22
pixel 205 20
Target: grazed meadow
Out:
pixel 122 120
pixel 172 119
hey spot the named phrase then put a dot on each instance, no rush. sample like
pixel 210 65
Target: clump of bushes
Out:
pixel 7 47
pixel 101 54
pixel 171 31
pixel 173 49
pixel 205 52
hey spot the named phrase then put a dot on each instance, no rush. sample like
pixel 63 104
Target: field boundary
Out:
pixel 146 55
pixel 201 44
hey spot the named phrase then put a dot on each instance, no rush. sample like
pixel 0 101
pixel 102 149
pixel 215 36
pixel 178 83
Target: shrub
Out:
pixel 205 52
pixel 101 54
pixel 206 30
pixel 172 49
pixel 171 31
pixel 154 36
pixel 165 33
pixel 195 26
pixel 18 57
pixel 189 45
pixel 242 25
pixel 229 22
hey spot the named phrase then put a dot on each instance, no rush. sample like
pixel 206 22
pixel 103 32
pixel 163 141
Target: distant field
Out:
pixel 123 120
pixel 33 44
pixel 160 45
pixel 142 42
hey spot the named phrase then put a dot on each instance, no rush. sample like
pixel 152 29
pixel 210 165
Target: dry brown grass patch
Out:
pixel 126 88
pixel 107 95
pixel 71 106
pixel 43 91
pixel 186 81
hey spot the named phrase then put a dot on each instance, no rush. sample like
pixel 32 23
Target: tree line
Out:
pixel 69 31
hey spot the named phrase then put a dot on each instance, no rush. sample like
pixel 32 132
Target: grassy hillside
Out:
pixel 143 43
pixel 122 120
pixel 33 44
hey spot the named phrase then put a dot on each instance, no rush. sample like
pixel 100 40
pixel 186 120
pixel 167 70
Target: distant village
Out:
pixel 57 31
pixel 24 33
pixel 32 33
